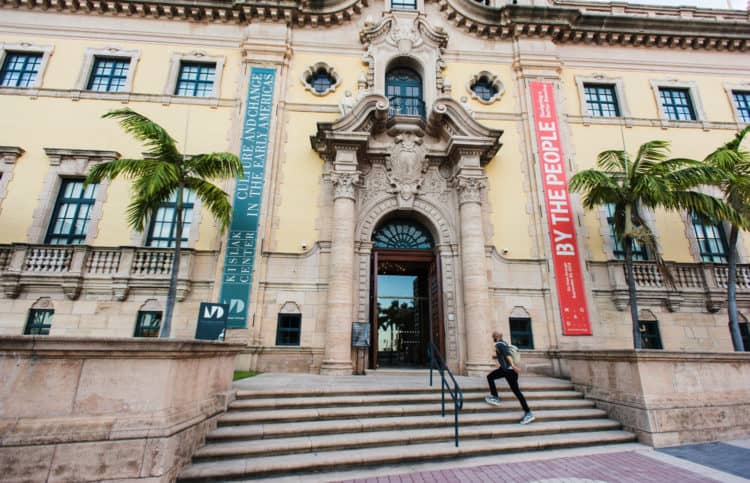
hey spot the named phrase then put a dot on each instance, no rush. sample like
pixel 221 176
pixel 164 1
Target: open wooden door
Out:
pixel 374 311
pixel 436 305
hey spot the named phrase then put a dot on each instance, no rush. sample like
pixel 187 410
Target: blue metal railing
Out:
pixel 406 106
pixel 437 362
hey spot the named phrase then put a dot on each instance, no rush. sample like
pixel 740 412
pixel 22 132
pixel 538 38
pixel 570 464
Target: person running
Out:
pixel 510 372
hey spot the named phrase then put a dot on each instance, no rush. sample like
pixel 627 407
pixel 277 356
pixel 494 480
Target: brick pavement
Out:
pixel 620 467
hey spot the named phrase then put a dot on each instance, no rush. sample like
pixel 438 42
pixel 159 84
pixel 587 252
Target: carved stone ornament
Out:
pixel 470 188
pixel 344 184
pixel 406 167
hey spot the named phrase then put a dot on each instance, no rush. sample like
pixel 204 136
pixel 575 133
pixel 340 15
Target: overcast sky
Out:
pixel 734 4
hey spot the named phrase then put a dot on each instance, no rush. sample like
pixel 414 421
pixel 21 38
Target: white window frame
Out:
pixel 419 7
pixel 493 80
pixel 692 88
pixel 312 69
pixel 729 89
pixel 622 102
pixel 196 56
pixel 27 48
pixel 89 57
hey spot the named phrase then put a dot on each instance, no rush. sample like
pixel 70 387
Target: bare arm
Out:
pixel 510 362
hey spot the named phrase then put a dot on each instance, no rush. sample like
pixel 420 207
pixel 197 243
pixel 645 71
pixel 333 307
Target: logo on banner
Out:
pixel 560 219
pixel 237 277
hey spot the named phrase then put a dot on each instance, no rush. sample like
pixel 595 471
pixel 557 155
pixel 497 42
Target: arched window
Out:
pixel 403 87
pixel 402 235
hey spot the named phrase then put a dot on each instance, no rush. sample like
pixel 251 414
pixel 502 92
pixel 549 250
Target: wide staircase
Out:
pixel 292 430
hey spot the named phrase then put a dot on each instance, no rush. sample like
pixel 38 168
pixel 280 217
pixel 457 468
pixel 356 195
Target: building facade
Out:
pixel 406 172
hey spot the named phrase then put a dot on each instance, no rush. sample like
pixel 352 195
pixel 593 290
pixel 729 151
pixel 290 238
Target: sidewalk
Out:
pixel 720 462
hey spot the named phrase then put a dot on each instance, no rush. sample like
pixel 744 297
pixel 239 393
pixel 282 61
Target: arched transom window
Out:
pixel 402 235
pixel 403 87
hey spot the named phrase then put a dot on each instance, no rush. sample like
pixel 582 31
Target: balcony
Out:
pixel 114 271
pixel 406 106
pixel 695 284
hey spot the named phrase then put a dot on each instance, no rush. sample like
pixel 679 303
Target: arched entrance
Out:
pixel 406 309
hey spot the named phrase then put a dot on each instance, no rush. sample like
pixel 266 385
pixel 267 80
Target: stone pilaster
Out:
pixel 477 318
pixel 338 359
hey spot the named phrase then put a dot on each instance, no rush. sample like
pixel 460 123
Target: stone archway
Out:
pixel 445 236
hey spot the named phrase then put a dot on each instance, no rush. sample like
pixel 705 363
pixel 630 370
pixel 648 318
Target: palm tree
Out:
pixel 735 164
pixel 648 181
pixel 165 173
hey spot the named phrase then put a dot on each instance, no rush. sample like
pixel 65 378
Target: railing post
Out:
pixel 73 279
pixel 716 294
pixel 12 274
pixel 121 280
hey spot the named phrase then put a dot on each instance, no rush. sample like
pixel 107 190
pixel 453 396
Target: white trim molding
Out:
pixel 312 70
pixel 198 56
pixel 90 55
pixel 8 157
pixel 28 48
pixel 603 80
pixel 692 88
pixel 492 80
pixel 730 88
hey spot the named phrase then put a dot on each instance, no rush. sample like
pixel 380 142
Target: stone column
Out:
pixel 338 351
pixel 477 318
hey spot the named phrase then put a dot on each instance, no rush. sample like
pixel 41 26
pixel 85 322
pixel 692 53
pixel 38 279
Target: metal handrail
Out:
pixel 437 362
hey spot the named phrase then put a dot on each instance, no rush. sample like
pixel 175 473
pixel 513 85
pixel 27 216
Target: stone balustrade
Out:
pixel 112 270
pixel 693 284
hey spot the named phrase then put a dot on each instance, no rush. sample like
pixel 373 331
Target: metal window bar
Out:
pixel 406 106
pixel 437 362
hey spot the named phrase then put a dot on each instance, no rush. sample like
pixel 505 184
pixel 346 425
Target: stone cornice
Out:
pixel 570 22
pixel 573 25
pixel 304 12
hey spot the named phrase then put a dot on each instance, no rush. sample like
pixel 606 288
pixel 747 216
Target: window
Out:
pixel 195 79
pixel 742 103
pixel 147 324
pixel 404 4
pixel 39 322
pixel 483 89
pixel 288 329
pixel 711 241
pixel 72 213
pixel 108 74
pixel 677 104
pixel 163 228
pixel 403 87
pixel 638 250
pixel 20 69
pixel 601 100
pixel 650 338
pixel 321 81
pixel 402 235
pixel 520 333
pixel 745 334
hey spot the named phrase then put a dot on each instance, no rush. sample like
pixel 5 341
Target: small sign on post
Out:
pixel 212 321
pixel 360 343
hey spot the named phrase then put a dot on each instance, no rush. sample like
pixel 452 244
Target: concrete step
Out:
pixel 309 428
pixel 239 468
pixel 381 399
pixel 354 412
pixel 527 383
pixel 333 442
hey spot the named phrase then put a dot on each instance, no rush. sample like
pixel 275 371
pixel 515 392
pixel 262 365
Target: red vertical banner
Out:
pixel 562 233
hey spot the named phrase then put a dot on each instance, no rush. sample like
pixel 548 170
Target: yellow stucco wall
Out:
pixel 298 189
pixel 347 67
pixel 460 73
pixel 77 124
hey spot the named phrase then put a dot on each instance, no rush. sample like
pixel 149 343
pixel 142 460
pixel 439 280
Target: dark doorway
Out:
pixel 406 308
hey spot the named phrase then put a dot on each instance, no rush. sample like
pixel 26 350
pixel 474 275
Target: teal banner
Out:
pixel 237 277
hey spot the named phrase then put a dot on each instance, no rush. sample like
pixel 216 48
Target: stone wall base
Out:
pixel 666 398
pixel 281 359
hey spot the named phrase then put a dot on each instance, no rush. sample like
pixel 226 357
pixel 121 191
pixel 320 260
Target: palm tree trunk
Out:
pixel 172 291
pixel 627 245
pixel 734 325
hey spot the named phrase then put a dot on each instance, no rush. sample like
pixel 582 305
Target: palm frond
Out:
pixel 158 142
pixel 214 165
pixel 213 198
pixel 650 153
pixel 613 161
pixel 129 168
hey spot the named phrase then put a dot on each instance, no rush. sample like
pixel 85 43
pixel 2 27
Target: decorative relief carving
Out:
pixel 470 188
pixel 406 167
pixel 376 182
pixel 344 184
